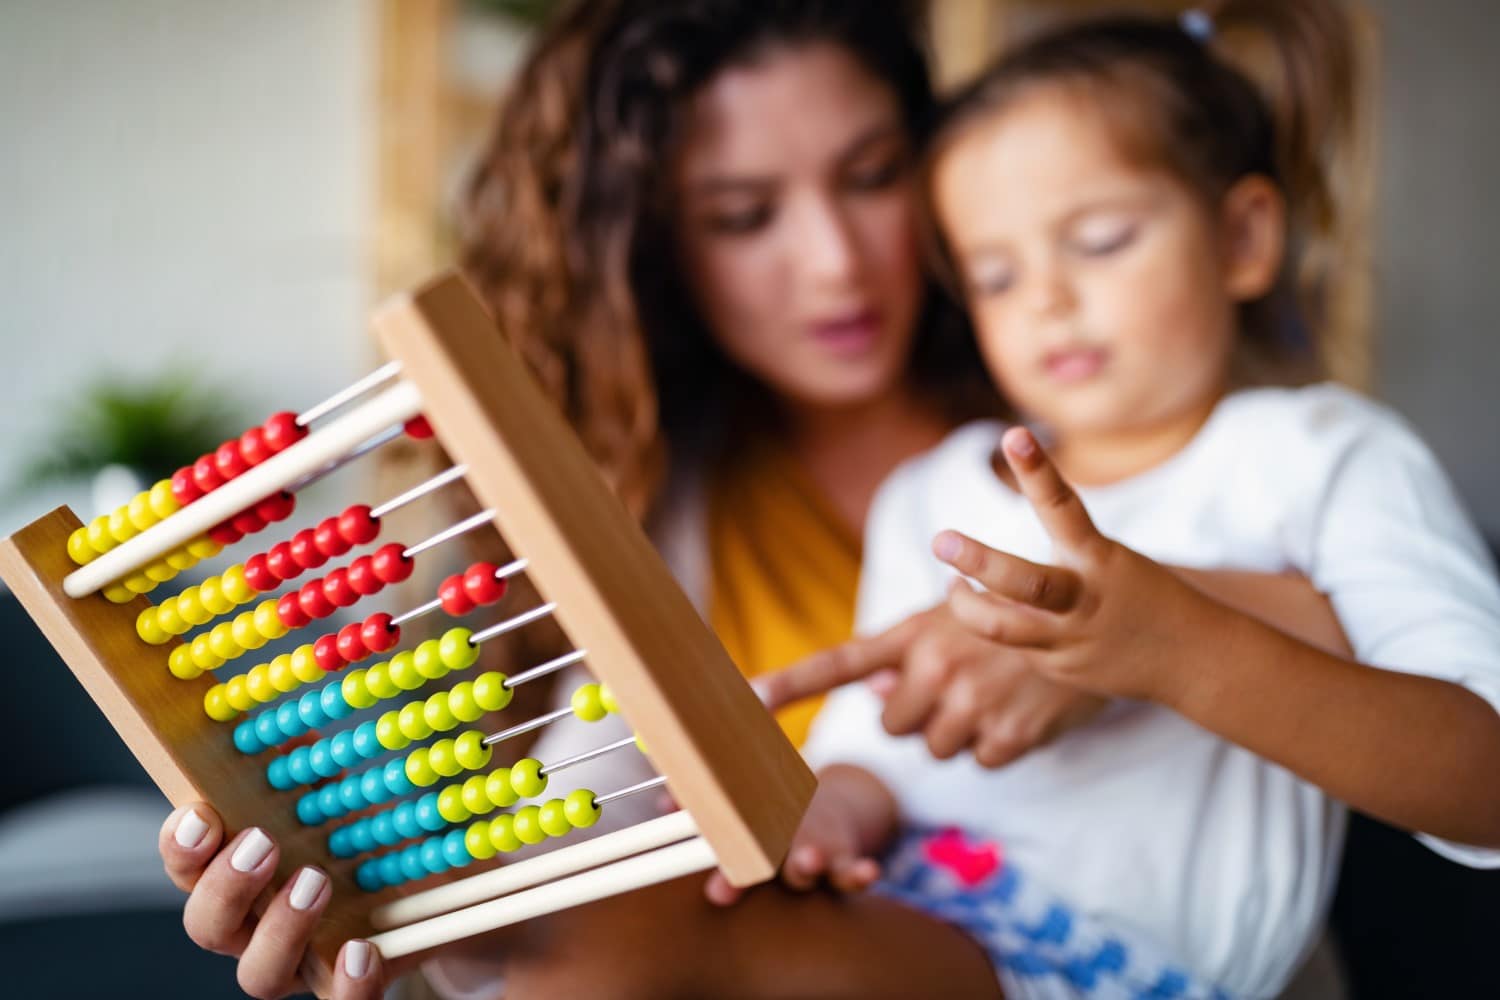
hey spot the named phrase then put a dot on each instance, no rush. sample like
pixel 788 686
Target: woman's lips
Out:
pixel 1075 364
pixel 850 335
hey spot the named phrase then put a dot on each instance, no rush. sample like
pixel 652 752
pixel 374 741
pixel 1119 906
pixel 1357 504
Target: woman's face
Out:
pixel 795 219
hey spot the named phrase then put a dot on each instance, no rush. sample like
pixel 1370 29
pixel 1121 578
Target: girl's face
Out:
pixel 1103 291
pixel 796 222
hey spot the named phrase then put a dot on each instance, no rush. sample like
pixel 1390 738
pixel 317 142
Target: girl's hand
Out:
pixel 1105 619
pixel 224 883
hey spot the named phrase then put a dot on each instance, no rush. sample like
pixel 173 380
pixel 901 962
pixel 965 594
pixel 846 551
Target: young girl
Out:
pixel 1119 206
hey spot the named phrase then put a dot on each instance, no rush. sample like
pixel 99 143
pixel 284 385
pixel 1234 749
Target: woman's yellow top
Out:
pixel 784 569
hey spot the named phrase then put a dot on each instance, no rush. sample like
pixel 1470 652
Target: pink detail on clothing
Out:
pixel 970 863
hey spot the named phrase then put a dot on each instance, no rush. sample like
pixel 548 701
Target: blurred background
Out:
pixel 202 201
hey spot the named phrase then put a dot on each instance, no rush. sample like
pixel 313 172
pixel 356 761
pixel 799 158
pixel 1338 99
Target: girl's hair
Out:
pixel 568 234
pixel 1241 88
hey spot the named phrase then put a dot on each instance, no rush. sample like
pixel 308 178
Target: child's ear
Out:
pixel 1254 237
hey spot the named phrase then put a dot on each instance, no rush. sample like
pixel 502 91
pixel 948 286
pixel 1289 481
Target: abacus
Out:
pixel 381 805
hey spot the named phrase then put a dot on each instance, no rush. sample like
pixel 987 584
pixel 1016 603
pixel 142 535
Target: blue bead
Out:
pixel 308 811
pixel 368 877
pixel 280 775
pixel 266 728
pixel 310 710
pixel 404 816
pixel 428 817
pixel 455 851
pixel 288 721
pixel 372 786
pixel 340 845
pixel 411 863
pixel 342 748
pixel 383 829
pixel 360 837
pixel 332 700
pixel 365 742
pixel 245 739
pixel 350 794
pixel 390 869
pixel 432 856
pixel 300 769
pixel 396 781
pixel 320 758
pixel 330 802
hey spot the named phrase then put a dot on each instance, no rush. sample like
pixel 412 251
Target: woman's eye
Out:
pixel 878 175
pixel 739 220
pixel 1100 238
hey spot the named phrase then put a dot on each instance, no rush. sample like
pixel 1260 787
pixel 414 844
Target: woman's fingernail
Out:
pixel 190 829
pixel 305 889
pixel 356 959
pixel 251 852
pixel 947 545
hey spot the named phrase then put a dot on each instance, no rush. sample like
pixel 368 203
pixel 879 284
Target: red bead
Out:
pixel 326 536
pixel 206 475
pixel 184 490
pixel 280 562
pixel 276 507
pixel 357 526
pixel 326 652
pixel 480 583
pixel 350 646
pixel 253 447
pixel 419 428
pixel 225 534
pixel 336 588
pixel 313 601
pixel 248 521
pixel 378 634
pixel 289 610
pixel 258 575
pixel 281 431
pixel 451 593
pixel 362 577
pixel 229 461
pixel 391 563
pixel 305 550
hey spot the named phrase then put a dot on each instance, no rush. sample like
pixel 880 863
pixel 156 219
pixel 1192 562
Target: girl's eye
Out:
pixel 988 278
pixel 1100 237
pixel 738 221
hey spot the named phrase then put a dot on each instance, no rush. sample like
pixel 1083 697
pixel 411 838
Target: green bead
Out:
pixel 388 732
pixel 477 842
pixel 528 825
pixel 456 651
pixel 607 699
pixel 442 758
pixel 503 834
pixel 527 779
pixel 490 692
pixel 471 752
pixel 436 712
pixel 462 704
pixel 403 671
pixel 354 690
pixel 475 799
pixel 640 745
pixel 378 681
pixel 413 722
pixel 450 804
pixel 581 809
pixel 419 770
pixel 553 818
pixel 426 660
pixel 586 704
pixel 498 789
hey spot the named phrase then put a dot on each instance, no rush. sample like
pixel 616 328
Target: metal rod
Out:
pixel 551 666
pixel 389 435
pixel 513 623
pixel 587 755
pixel 643 786
pixel 463 527
pixel 527 726
pixel 420 490
pixel 383 374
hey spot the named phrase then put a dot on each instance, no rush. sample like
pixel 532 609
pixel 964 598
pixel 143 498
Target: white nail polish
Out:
pixel 305 889
pixel 356 959
pixel 190 829
pixel 251 852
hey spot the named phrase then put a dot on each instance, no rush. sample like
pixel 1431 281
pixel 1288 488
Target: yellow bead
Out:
pixel 163 503
pixel 190 607
pixel 258 683
pixel 378 680
pixel 527 779
pixel 216 704
pixel 120 528
pixel 244 631
pixel 203 652
pixel 211 593
pixel 149 629
pixel 118 593
pixel 239 694
pixel 204 547
pixel 437 714
pixel 498 789
pixel 419 769
pixel 160 571
pixel 236 587
pixel 442 758
pixel 180 663
pixel 527 825
pixel 462 704
pixel 169 619
pixel 268 620
pixel 413 721
pixel 475 799
pixel 586 703
pixel 581 808
pixel 355 692
pixel 100 540
pixel 388 732
pixel 456 651
pixel 553 818
pixel 305 665
pixel 503 835
pixel 139 583
pixel 471 752
pixel 426 660
pixel 181 559
pixel 280 672
pixel 403 671
pixel 477 841
pixel 79 549
pixel 640 745
pixel 221 641
pixel 450 804
pixel 607 699
pixel 490 692
pixel 140 513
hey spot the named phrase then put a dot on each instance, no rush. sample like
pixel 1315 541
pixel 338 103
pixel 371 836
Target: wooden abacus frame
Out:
pixel 725 760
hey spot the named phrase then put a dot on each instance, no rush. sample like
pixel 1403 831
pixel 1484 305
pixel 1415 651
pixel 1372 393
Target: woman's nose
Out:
pixel 825 242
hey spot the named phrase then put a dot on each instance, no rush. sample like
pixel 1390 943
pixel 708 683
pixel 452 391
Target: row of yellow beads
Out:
pixel 148 508
pixel 198 605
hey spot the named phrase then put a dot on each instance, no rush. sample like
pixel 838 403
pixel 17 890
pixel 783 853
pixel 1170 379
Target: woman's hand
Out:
pixel 223 881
